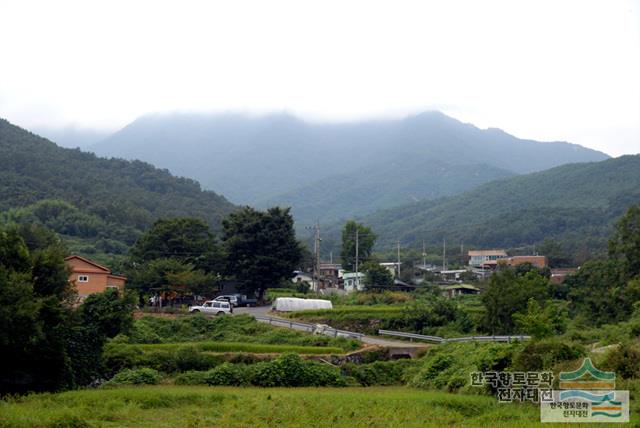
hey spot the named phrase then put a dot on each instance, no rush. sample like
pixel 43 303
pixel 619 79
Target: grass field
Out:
pixel 173 406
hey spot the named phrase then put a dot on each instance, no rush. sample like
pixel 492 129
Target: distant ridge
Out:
pixel 279 159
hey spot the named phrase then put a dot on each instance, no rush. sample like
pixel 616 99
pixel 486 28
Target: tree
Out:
pixel 366 241
pixel 261 247
pixel 377 275
pixel 46 342
pixel 188 240
pixel 34 309
pixel 555 253
pixel 625 243
pixel 542 322
pixel 509 293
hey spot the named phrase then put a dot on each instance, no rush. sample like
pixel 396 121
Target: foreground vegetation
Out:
pixel 171 406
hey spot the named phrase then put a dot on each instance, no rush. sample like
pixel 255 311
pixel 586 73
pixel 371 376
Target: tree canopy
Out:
pixel 261 247
pixel 366 241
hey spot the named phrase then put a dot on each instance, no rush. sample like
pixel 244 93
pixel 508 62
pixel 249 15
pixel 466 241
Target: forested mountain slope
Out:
pixel 100 205
pixel 574 203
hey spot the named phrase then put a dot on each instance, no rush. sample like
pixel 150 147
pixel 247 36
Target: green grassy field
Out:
pixel 173 406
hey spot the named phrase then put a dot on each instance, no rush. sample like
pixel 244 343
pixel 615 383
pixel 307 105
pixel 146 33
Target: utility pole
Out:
pixel 357 277
pixel 462 252
pixel 398 259
pixel 424 255
pixel 444 253
pixel 317 263
pixel 316 255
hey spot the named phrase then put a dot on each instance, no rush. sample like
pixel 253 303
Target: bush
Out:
pixel 288 370
pixel 228 374
pixel 379 372
pixel 291 370
pixel 144 376
pixel 190 378
pixel 624 361
pixel 544 355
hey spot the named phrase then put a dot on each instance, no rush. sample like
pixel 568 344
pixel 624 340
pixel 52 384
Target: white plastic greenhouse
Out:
pixel 288 304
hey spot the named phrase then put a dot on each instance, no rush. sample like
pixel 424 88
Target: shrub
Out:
pixel 624 361
pixel 228 374
pixel 544 354
pixel 144 376
pixel 291 370
pixel 379 372
pixel 190 378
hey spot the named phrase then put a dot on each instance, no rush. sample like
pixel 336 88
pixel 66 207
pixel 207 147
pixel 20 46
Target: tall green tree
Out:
pixel 625 243
pixel 47 342
pixel 601 285
pixel 261 247
pixel 377 275
pixel 509 293
pixel 366 240
pixel 188 240
pixel 179 254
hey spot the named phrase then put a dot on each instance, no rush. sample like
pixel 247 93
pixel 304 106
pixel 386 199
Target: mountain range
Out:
pixel 333 171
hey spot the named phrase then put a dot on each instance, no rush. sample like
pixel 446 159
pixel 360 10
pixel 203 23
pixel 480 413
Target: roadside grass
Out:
pixel 348 310
pixel 237 329
pixel 171 406
pixel 256 348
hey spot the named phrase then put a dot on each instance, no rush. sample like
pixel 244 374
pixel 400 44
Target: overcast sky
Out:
pixel 547 70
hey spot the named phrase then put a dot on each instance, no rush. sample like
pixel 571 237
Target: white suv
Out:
pixel 227 298
pixel 212 307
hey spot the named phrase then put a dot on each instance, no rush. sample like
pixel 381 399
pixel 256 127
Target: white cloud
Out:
pixel 553 70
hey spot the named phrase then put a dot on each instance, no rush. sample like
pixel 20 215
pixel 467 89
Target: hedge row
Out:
pixel 288 370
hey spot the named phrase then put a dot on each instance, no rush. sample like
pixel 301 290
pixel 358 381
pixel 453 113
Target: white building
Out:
pixel 353 281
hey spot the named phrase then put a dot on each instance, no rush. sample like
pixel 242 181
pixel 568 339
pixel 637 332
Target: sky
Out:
pixel 560 70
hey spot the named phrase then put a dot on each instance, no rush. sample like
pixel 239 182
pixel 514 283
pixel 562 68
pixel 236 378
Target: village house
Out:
pixel 450 291
pixel 481 258
pixel 89 277
pixel 537 261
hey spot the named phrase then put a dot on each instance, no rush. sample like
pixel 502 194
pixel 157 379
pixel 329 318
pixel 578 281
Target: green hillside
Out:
pixel 382 186
pixel 574 203
pixel 100 206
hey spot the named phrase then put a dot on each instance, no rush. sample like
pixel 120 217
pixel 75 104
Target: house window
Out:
pixel 83 278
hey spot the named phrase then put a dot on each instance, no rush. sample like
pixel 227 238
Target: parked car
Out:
pixel 212 307
pixel 231 298
pixel 243 300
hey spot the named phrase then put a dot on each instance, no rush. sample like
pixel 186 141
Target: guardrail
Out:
pixel 311 328
pixel 411 335
pixel 438 339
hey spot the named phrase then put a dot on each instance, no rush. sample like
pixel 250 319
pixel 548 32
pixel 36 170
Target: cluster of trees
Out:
pixel 358 235
pixel 258 249
pixel 600 292
pixel 47 341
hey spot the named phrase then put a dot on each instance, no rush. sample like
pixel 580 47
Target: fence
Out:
pixel 438 339
pixel 311 328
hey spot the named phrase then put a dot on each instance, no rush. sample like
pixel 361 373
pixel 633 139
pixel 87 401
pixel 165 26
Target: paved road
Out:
pixel 263 311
